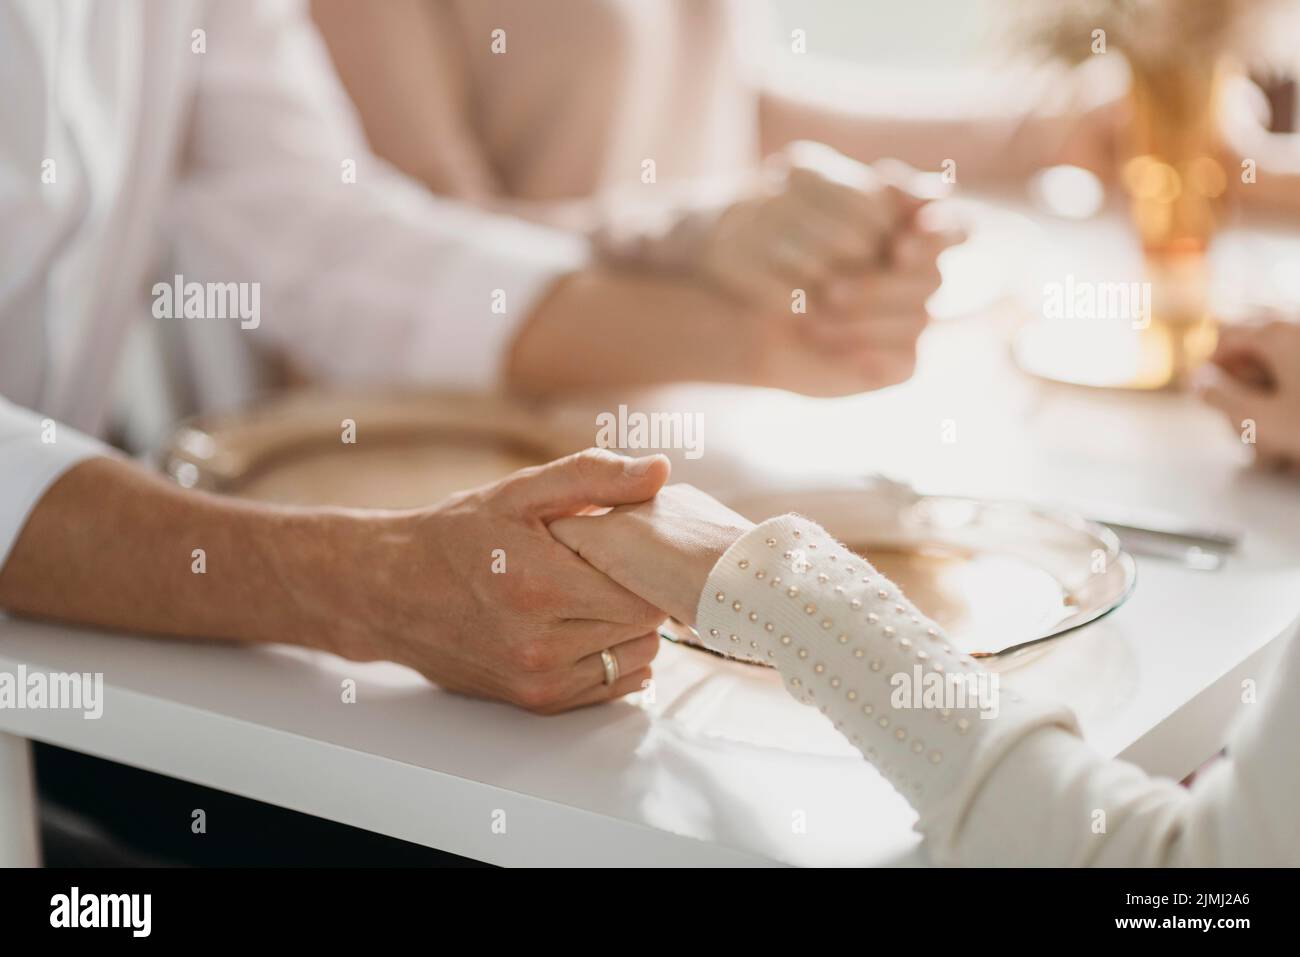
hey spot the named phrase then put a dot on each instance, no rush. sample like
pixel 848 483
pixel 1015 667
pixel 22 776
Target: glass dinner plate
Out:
pixel 998 576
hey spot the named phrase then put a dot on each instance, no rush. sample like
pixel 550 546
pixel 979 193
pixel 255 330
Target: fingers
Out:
pixel 876 332
pixel 1255 352
pixel 798 246
pixel 1247 368
pixel 884 294
pixel 861 220
pixel 1231 396
pixel 832 214
pixel 637 681
pixel 573 532
pixel 880 198
pixel 1221 390
pixel 858 303
pixel 832 218
pixel 1235 339
pixel 793 254
pixel 1260 416
pixel 1239 338
pixel 629 657
pixel 576 639
pixel 911 277
pixel 550 692
pixel 591 477
pixel 583 592
pixel 839 243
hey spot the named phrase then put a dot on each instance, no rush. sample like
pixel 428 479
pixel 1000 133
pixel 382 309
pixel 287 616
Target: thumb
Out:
pixel 590 477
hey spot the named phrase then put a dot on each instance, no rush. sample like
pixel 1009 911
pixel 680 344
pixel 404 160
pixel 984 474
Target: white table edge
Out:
pixel 251 762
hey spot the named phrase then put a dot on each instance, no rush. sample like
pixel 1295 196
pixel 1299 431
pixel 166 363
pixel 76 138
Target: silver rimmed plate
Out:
pixel 996 575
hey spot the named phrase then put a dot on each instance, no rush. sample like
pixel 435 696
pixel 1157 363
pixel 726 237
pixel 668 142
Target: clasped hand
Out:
pixel 839 258
pixel 512 591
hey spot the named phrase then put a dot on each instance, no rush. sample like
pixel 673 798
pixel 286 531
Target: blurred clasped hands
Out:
pixel 842 256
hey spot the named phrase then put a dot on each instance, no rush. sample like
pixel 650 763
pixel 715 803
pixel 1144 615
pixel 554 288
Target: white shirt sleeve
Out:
pixel 365 277
pixel 1006 781
pixel 34 452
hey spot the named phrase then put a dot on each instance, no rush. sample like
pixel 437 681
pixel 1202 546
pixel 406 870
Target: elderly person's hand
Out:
pixel 1255 379
pixel 476 594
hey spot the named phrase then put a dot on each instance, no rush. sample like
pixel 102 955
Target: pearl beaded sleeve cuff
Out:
pixel 848 642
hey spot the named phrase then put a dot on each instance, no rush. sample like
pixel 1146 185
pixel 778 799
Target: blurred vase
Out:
pixel 1176 183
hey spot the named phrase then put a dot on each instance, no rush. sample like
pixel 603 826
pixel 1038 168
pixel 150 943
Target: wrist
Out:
pixel 704 566
pixel 754 550
pixel 329 573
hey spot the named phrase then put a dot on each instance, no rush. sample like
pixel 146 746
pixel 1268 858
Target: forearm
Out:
pixel 600 328
pixel 112 546
pixel 849 643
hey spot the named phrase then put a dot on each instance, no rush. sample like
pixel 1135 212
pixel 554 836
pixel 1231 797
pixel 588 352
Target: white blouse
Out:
pixel 995 778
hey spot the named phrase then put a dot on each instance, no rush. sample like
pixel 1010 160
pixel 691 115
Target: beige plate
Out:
pixel 409 450
pixel 996 575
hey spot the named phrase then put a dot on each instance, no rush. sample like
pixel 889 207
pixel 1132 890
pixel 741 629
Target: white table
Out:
pixel 721 767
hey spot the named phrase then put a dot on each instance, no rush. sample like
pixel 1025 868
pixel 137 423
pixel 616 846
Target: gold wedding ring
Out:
pixel 610 664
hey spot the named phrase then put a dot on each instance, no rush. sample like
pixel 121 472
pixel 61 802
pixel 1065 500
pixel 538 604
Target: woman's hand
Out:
pixel 663 549
pixel 1255 380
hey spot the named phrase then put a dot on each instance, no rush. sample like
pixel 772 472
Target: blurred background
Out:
pixel 921 34
pixel 1164 160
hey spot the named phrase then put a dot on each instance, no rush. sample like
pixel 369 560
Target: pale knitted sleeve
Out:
pixel 996 778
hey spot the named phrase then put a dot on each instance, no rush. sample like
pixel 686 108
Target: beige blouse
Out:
pixel 527 106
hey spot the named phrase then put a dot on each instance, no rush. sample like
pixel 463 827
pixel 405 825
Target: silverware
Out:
pixel 1158 545
pixel 1160 535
